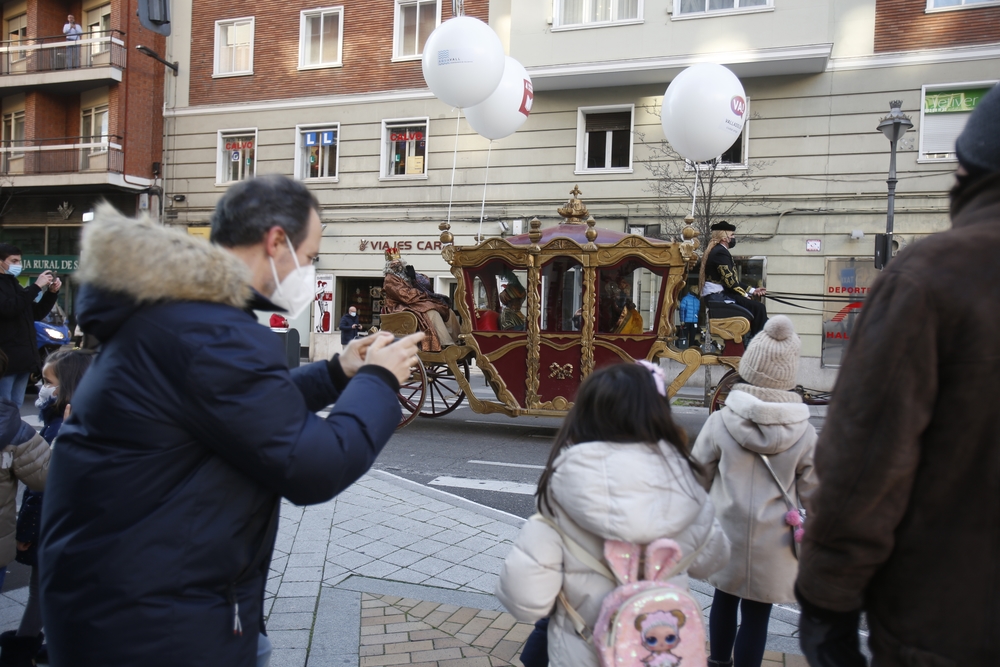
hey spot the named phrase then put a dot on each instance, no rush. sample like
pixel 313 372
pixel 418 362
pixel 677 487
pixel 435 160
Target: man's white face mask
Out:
pixel 295 292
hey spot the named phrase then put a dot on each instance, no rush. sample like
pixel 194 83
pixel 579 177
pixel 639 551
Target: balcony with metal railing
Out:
pixel 62 161
pixel 61 65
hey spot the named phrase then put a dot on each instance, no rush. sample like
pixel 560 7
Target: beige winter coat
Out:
pixel 605 491
pixel 30 464
pixel 750 506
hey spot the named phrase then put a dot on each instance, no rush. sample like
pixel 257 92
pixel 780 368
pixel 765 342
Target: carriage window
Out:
pixel 629 299
pixel 499 298
pixel 562 295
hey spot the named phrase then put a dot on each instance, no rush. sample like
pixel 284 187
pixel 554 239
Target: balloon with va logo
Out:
pixel 703 111
pixel 463 61
pixel 505 111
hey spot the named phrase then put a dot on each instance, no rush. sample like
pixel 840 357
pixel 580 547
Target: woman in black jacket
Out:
pixel 20 308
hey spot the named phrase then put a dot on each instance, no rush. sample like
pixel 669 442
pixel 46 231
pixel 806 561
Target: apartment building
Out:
pixel 333 95
pixel 82 122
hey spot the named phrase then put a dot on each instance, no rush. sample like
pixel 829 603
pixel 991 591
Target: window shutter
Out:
pixel 609 122
pixel 940 131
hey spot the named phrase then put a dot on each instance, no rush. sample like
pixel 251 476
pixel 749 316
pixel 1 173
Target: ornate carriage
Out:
pixel 540 311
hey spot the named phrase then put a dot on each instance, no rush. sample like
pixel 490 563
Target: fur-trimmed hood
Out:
pixel 767 428
pixel 126 263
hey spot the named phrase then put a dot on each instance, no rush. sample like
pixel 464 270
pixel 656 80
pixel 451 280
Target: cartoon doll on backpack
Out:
pixel 660 631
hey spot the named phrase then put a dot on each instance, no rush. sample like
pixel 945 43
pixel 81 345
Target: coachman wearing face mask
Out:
pixel 20 308
pixel 718 280
pixel 162 508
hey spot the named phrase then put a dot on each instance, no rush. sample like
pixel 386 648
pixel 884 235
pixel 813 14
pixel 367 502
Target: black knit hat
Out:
pixel 978 147
pixel 723 227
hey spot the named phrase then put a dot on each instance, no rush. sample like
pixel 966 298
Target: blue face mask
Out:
pixel 14 270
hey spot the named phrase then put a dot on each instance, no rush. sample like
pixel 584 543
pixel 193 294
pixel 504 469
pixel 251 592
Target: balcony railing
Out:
pixel 62 155
pixel 49 54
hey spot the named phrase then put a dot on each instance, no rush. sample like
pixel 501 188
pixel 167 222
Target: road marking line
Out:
pixel 484 485
pixel 509 465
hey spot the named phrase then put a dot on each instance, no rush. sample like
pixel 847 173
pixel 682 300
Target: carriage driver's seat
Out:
pixel 401 323
pixel 728 321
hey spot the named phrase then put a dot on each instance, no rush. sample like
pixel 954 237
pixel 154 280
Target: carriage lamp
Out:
pixel 893 126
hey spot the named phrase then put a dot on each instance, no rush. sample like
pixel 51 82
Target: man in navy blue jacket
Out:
pixel 162 504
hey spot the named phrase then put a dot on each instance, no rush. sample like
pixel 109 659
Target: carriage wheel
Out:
pixel 444 394
pixel 412 394
pixel 722 390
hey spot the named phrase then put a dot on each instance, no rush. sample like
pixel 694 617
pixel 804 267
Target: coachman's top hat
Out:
pixel 723 227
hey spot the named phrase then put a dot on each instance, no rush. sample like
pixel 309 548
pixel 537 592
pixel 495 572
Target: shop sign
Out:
pixel 54 263
pixel 850 278
pixel 952 101
pixel 406 135
pixel 364 245
pixel 239 144
pixel 323 304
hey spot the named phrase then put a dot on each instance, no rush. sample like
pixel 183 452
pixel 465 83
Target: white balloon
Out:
pixel 463 61
pixel 703 111
pixel 502 113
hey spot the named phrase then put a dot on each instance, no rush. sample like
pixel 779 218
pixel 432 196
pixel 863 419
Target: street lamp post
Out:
pixel 893 126
pixel 145 50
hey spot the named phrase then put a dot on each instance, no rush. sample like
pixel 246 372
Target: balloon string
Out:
pixel 454 164
pixel 482 211
pixel 694 192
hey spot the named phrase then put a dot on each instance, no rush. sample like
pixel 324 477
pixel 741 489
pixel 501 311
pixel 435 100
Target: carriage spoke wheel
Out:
pixel 722 390
pixel 412 394
pixel 444 394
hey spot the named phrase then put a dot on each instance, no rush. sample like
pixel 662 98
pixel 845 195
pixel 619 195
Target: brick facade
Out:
pixel 905 25
pixel 367 51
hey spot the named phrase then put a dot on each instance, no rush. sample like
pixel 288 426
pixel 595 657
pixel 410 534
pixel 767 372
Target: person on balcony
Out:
pixel 718 280
pixel 73 32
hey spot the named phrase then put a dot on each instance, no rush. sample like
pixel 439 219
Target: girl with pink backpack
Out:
pixel 621 514
pixel 758 456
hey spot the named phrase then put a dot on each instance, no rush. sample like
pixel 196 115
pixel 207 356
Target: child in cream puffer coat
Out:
pixel 619 470
pixel 762 418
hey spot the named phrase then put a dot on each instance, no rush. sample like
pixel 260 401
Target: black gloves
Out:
pixel 829 638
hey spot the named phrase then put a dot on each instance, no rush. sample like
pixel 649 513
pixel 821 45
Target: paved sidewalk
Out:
pixel 392 572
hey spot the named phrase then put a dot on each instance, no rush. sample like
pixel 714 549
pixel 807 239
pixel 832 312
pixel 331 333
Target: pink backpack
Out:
pixel 646 622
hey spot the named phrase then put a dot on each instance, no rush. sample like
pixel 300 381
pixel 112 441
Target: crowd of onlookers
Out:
pixel 153 489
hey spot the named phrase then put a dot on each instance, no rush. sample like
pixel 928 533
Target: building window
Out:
pixel 234 47
pixel 13 134
pixel 684 7
pixel 237 155
pixel 99 27
pixel 604 139
pixel 933 5
pixel 318 152
pixel 404 148
pixel 583 12
pixel 321 36
pixel 17 32
pixel 94 128
pixel 943 115
pixel 415 21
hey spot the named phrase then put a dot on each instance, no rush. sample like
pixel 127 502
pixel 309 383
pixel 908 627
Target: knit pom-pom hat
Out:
pixel 771 361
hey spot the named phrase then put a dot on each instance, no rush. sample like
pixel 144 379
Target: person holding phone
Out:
pixel 20 308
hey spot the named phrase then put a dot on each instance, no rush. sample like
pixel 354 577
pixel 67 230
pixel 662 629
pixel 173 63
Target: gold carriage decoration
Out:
pixel 540 311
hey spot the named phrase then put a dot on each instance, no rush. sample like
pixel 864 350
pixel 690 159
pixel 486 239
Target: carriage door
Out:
pixel 562 324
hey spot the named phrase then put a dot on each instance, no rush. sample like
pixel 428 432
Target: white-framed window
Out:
pixel 317 151
pixel 944 110
pixel 321 37
pixel 17 32
pixel 13 132
pixel 580 13
pixel 946 5
pixel 94 128
pixel 404 148
pixel 237 155
pixel 604 139
pixel 683 8
pixel 99 26
pixel 234 47
pixel 415 21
